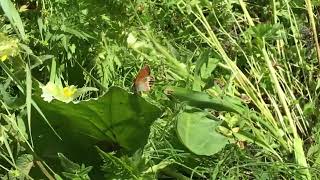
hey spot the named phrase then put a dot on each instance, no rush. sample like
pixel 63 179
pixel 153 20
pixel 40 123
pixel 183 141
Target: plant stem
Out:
pixel 172 173
pixel 246 13
pixel 313 26
pixel 45 172
pixel 298 144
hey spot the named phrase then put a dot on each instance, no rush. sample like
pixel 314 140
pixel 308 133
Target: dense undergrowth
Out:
pixel 235 95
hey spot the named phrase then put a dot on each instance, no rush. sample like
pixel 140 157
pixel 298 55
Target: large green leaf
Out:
pixel 197 132
pixel 117 116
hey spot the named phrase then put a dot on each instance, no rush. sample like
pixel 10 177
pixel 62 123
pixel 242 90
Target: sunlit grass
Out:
pixel 249 65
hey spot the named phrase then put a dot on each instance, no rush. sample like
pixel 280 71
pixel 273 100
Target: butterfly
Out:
pixel 143 80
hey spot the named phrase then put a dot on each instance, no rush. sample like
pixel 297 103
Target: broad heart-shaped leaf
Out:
pixel 198 133
pixel 117 116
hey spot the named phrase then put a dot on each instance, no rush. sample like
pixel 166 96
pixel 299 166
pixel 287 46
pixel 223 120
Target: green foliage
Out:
pixel 73 170
pixel 6 97
pixel 198 133
pixel 14 17
pixel 248 69
pixel 125 167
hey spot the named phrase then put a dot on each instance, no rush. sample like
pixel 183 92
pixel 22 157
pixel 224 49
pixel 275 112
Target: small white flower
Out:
pixel 131 40
pixel 49 91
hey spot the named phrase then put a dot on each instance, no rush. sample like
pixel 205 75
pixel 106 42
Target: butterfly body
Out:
pixel 143 80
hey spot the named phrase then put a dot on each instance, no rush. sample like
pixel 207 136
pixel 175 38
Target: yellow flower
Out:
pixel 8 46
pixel 3 57
pixel 69 91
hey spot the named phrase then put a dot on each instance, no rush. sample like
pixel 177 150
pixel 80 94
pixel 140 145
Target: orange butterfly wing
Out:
pixel 143 80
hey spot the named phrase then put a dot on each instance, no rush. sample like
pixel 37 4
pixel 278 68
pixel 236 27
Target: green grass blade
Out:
pixel 6 144
pixel 20 87
pixel 12 76
pixel 53 70
pixel 300 157
pixel 93 78
pixel 13 16
pixel 28 99
pixel 34 104
pixel 313 26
